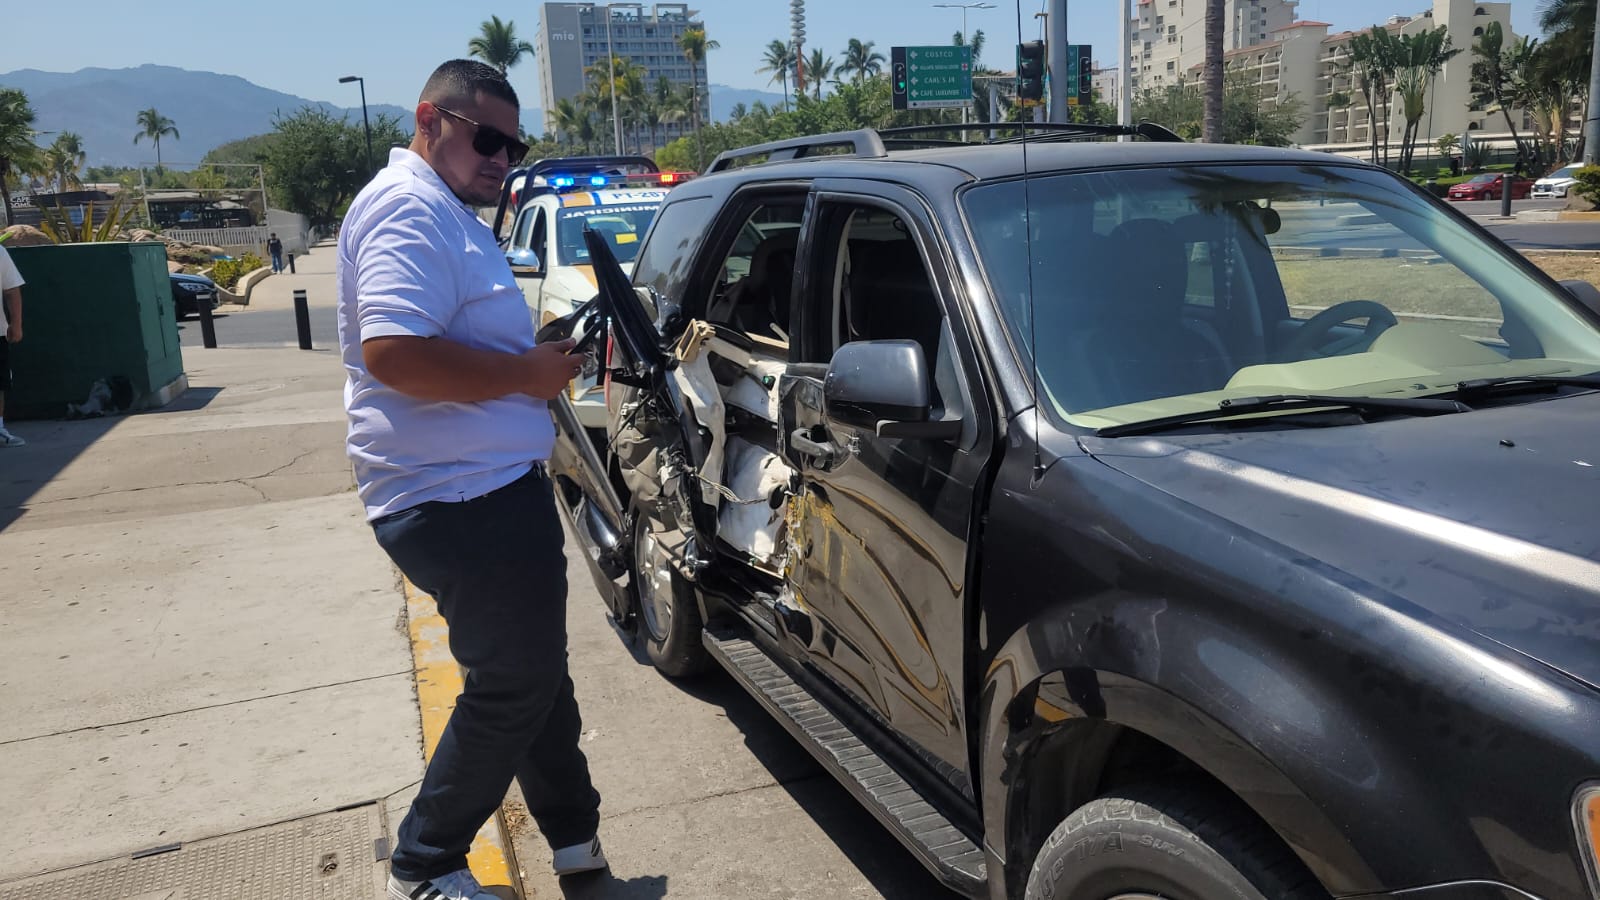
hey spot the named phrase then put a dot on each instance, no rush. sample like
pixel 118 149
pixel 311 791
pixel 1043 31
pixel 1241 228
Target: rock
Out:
pixel 143 234
pixel 173 266
pixel 24 236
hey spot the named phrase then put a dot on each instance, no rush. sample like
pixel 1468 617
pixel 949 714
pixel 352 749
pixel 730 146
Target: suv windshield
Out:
pixel 1157 292
pixel 623 226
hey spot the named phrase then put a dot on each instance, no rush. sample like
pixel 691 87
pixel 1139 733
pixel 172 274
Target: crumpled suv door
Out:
pixel 614 330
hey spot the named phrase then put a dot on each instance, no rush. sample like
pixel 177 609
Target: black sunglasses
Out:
pixel 489 141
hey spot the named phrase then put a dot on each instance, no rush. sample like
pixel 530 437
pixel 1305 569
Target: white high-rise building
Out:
pixel 1168 37
pixel 574 36
pixel 1303 61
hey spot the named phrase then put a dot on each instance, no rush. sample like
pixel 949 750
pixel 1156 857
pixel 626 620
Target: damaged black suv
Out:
pixel 1120 519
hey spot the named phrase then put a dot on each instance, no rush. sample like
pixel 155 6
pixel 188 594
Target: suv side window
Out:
pixel 876 286
pixel 755 277
pixel 667 257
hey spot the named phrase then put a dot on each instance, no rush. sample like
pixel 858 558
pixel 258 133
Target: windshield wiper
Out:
pixel 1290 403
pixel 1527 382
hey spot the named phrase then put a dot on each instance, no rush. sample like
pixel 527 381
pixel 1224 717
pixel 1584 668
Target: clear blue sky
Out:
pixel 303 46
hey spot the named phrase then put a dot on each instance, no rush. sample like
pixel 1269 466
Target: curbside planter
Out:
pixel 240 295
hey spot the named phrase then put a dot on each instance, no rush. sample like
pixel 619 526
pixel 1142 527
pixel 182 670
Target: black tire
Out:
pixel 671 630
pixel 1170 842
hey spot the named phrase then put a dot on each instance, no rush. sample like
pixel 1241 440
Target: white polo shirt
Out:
pixel 414 260
pixel 9 278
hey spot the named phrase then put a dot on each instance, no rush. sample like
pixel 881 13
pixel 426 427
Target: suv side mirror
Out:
pixel 883 387
pixel 1587 294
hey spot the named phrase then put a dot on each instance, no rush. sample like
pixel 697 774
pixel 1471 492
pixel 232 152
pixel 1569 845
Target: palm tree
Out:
pixel 779 60
pixel 1422 56
pixel 17 149
pixel 63 159
pixel 818 68
pixel 497 44
pixel 1557 16
pixel 670 103
pixel 1374 60
pixel 1553 77
pixel 566 118
pixel 861 60
pixel 1492 74
pixel 695 47
pixel 1212 79
pixel 156 126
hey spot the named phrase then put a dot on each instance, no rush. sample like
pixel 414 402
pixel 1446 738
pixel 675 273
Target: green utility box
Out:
pixel 91 312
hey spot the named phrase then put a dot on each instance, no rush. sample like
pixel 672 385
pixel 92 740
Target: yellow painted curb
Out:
pixel 439 683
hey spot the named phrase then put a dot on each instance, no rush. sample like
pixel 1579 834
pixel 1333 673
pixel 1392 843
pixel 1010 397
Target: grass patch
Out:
pixel 1416 287
pixel 1403 285
pixel 1568 266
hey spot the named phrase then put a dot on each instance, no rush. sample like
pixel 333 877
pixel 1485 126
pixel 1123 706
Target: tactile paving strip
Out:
pixel 325 857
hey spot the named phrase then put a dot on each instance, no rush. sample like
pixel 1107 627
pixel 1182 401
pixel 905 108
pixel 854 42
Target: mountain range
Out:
pixel 209 109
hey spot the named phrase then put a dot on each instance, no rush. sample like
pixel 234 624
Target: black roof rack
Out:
pixel 1061 130
pixel 869 143
pixel 863 144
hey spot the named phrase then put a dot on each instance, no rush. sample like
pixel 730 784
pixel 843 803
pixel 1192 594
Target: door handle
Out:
pixel 801 441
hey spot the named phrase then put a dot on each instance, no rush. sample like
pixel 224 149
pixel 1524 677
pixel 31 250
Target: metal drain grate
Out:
pixel 326 857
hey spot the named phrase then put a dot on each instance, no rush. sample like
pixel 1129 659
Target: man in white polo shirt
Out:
pixel 448 434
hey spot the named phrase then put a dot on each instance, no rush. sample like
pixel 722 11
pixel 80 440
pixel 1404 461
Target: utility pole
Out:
pixel 611 85
pixel 1591 121
pixel 1124 66
pixel 1056 50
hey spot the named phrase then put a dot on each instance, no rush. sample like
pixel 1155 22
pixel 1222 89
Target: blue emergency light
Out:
pixel 597 180
pixel 565 181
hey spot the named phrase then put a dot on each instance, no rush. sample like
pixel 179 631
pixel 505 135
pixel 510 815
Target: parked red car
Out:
pixel 1488 187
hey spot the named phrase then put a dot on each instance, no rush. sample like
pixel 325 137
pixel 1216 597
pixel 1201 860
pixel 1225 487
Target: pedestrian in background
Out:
pixel 275 249
pixel 11 327
pixel 448 435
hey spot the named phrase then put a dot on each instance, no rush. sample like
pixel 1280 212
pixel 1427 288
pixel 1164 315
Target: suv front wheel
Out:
pixel 1174 843
pixel 669 618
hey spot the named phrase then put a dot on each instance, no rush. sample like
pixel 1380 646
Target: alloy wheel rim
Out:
pixel 655 586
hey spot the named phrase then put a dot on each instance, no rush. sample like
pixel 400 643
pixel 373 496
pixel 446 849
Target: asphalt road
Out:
pixel 249 327
pixel 1300 229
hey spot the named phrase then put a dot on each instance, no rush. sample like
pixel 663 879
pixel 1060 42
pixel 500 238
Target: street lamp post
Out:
pixel 611 73
pixel 611 86
pixel 365 124
pixel 964 39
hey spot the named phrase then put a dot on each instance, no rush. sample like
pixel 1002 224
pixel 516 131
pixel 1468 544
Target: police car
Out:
pixel 543 212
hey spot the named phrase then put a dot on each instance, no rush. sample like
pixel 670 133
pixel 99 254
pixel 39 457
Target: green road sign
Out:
pixel 1080 74
pixel 931 77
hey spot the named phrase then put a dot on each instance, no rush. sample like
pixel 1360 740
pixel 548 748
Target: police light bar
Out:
pixel 589 182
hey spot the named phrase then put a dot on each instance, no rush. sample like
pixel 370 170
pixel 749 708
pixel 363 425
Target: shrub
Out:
pixel 226 272
pixel 1588 186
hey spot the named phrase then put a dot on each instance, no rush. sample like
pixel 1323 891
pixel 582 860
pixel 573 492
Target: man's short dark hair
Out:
pixel 460 81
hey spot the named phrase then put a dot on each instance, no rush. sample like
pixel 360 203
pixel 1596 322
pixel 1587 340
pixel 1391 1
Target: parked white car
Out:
pixel 1555 184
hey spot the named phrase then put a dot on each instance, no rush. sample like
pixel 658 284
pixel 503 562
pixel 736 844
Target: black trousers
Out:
pixel 496 569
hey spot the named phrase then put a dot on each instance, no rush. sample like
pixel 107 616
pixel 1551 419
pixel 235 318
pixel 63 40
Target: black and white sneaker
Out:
pixel 584 857
pixel 458 885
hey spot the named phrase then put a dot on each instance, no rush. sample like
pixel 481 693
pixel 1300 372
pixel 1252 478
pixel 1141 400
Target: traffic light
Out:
pixel 1030 70
pixel 1085 74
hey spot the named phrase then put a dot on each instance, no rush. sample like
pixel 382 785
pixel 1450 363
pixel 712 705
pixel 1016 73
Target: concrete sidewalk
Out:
pixel 198 635
pixel 201 645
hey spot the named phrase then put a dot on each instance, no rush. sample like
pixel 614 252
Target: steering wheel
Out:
pixel 1308 339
